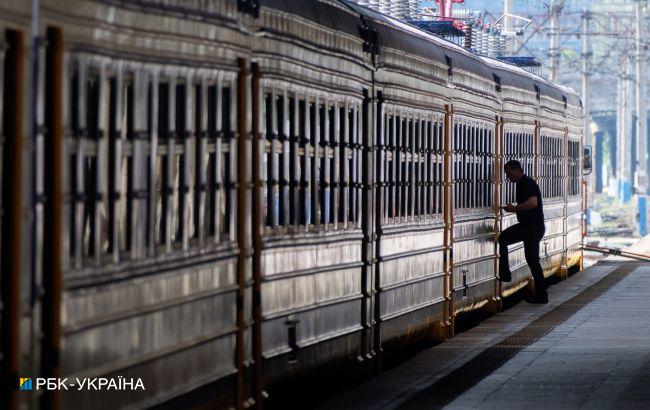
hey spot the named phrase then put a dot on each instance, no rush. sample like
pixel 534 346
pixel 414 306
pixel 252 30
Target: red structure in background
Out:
pixel 444 7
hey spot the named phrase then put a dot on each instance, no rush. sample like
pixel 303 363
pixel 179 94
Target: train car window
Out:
pixel 208 196
pixel 411 180
pixel 474 157
pixel 188 194
pixel 551 160
pixel 84 239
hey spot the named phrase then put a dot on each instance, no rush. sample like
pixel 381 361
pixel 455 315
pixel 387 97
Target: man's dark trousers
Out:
pixel 530 235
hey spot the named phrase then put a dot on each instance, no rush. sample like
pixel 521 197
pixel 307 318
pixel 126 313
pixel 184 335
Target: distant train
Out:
pixel 224 194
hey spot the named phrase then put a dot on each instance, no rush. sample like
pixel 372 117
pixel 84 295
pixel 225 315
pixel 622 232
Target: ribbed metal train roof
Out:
pixel 348 17
pixel 329 13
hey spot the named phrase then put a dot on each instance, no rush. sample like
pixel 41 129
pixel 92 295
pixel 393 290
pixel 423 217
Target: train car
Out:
pixel 216 197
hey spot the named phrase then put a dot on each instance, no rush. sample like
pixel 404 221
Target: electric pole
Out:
pixel 641 127
pixel 586 59
pixel 553 51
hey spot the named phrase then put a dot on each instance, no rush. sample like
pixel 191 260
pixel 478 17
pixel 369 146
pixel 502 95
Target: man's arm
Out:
pixel 531 203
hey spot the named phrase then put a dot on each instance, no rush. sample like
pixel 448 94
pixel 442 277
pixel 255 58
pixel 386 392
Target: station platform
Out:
pixel 589 347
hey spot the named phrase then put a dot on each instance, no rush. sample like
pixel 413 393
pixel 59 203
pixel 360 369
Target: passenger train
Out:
pixel 222 195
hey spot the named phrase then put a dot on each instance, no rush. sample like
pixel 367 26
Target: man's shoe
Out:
pixel 537 300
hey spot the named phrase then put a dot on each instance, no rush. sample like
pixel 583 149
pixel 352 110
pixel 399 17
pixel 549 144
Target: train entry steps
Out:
pixel 588 348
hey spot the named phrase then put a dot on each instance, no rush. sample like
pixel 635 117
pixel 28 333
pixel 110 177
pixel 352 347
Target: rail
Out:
pixel 617 252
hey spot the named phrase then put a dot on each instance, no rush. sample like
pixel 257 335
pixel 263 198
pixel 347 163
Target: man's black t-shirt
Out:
pixel 527 187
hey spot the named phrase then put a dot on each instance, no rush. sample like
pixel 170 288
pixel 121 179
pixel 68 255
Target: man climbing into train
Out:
pixel 530 229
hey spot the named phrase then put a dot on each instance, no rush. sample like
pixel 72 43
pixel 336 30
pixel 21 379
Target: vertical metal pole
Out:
pixel 508 26
pixel 367 176
pixel 449 218
pixel 626 147
pixel 641 128
pixel 38 195
pixel 619 128
pixel 553 49
pixel 496 201
pixel 586 57
pixel 256 219
pixel 10 268
pixel 37 170
pixel 380 205
pixel 53 227
pixel 239 146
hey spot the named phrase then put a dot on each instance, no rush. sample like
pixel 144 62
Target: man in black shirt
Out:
pixel 530 229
